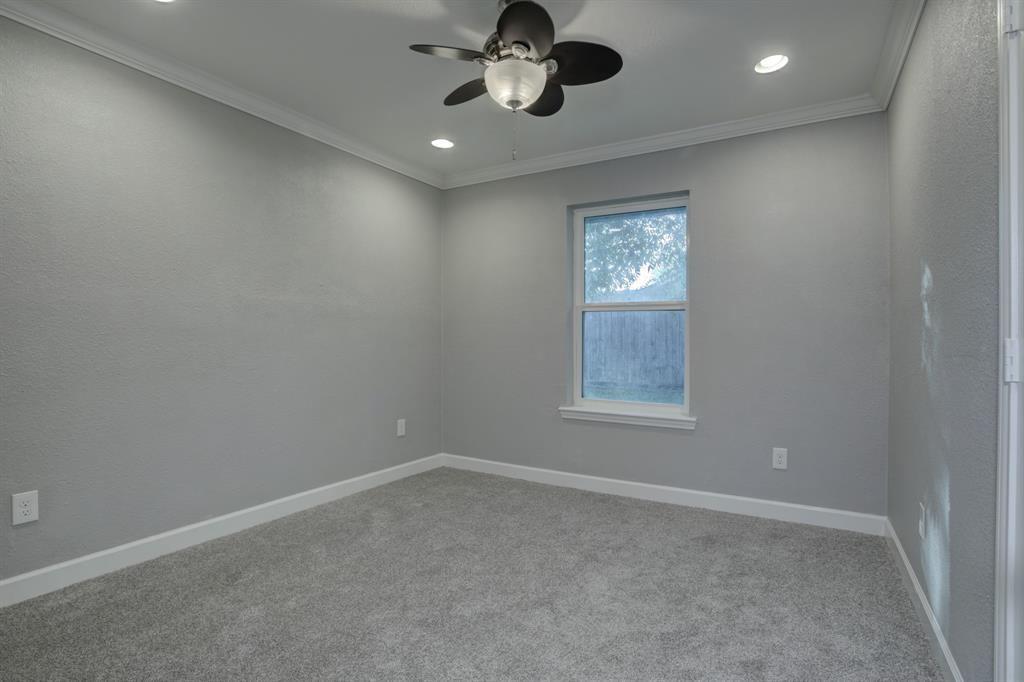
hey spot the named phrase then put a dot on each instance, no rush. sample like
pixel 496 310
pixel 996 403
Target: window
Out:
pixel 630 301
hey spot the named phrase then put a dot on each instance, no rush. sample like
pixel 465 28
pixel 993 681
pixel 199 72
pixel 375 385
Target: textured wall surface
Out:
pixel 943 139
pixel 199 311
pixel 789 236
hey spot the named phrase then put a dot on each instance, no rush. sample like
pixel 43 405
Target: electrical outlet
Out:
pixel 24 507
pixel 780 458
pixel 400 429
pixel 921 518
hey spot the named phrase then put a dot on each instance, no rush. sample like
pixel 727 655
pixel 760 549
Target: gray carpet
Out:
pixel 452 575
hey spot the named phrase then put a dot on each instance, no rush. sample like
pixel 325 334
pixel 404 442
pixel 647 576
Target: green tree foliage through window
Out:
pixel 635 256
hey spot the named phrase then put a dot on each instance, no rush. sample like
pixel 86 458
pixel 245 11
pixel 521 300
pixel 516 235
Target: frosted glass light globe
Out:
pixel 515 83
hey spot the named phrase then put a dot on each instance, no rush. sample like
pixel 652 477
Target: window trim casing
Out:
pixel 624 411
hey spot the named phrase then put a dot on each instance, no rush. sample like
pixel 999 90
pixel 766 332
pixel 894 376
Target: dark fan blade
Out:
pixel 550 101
pixel 448 52
pixel 527 22
pixel 466 92
pixel 582 63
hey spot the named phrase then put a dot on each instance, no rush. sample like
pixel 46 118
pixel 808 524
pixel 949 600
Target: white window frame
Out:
pixel 625 411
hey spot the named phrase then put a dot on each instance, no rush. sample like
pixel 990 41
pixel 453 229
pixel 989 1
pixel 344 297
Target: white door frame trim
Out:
pixel 1009 597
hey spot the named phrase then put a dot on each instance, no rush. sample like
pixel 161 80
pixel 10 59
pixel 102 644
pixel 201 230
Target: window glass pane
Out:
pixel 635 256
pixel 634 355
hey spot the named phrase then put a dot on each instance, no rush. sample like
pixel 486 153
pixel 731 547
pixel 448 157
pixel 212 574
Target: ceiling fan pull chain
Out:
pixel 515 132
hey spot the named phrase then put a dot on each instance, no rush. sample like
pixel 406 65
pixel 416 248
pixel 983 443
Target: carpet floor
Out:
pixel 452 575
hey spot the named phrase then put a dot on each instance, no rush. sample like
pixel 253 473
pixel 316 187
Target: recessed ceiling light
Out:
pixel 165 0
pixel 771 63
pixel 442 143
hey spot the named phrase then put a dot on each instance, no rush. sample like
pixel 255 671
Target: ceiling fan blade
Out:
pixel 549 102
pixel 527 22
pixel 449 52
pixel 581 63
pixel 466 92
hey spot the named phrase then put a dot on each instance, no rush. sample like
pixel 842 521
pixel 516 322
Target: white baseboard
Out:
pixel 749 506
pixel 27 585
pixel 34 583
pixel 919 596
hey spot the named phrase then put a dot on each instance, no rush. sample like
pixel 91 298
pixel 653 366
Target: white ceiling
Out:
pixel 345 67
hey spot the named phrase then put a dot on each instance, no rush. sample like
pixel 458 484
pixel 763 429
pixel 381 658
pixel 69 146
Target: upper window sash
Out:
pixel 579 238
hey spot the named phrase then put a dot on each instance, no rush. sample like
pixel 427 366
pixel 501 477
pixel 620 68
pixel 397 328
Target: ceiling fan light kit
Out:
pixel 524 67
pixel 515 83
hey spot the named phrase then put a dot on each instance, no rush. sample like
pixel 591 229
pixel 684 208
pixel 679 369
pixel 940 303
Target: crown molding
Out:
pixel 72 30
pixel 902 24
pixel 854 106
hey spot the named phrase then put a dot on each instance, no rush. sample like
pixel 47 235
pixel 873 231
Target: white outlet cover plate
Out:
pixel 400 431
pixel 779 458
pixel 24 507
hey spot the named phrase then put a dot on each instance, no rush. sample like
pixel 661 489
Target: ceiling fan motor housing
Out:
pixel 502 4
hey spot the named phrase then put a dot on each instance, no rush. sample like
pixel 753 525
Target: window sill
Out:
pixel 665 419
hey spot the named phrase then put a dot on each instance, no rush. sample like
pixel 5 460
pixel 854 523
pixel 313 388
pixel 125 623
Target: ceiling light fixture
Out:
pixel 442 143
pixel 771 63
pixel 165 1
pixel 524 68
pixel 515 83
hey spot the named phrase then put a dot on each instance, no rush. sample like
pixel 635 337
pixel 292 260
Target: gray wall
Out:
pixel 199 311
pixel 789 240
pixel 943 136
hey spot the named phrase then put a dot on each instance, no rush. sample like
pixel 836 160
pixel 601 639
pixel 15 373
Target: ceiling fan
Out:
pixel 525 67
